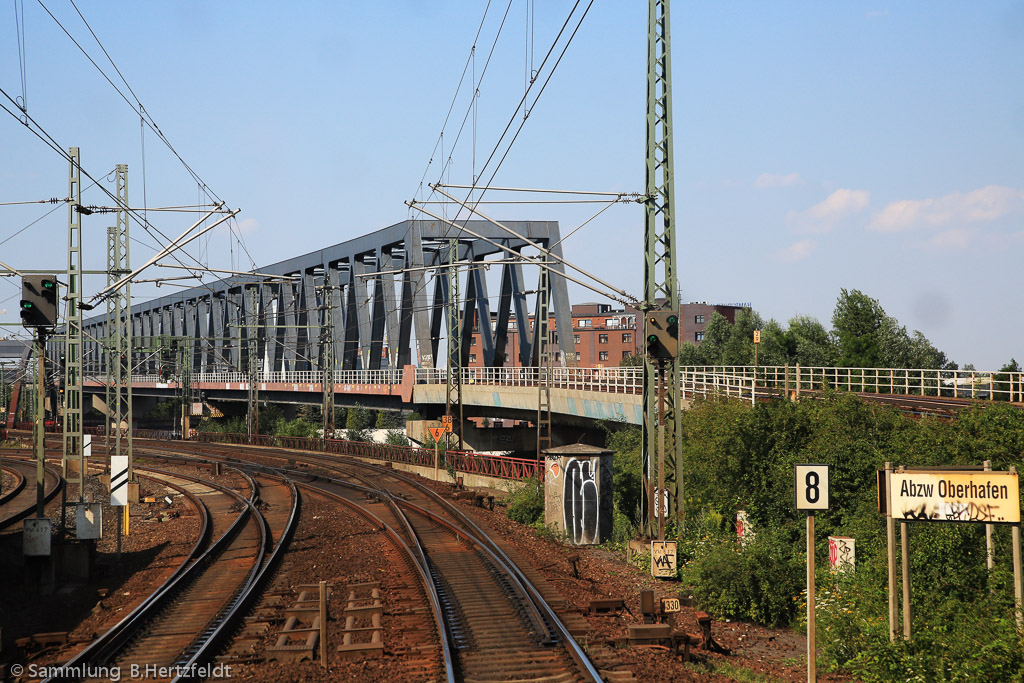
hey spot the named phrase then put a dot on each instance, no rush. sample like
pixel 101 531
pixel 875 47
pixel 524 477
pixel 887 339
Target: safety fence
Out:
pixel 499 466
pixel 957 384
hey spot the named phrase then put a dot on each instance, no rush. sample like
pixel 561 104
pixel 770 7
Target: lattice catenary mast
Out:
pixel 660 291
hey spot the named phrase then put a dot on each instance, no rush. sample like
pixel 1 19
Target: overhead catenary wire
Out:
pixel 144 117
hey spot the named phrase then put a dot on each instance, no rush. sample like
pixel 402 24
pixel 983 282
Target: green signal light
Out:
pixel 27 305
pixel 49 284
pixel 652 338
pixel 672 320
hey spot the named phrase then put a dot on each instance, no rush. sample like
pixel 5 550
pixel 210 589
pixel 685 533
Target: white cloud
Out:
pixel 824 216
pixel 982 205
pixel 957 238
pixel 797 251
pixel 766 180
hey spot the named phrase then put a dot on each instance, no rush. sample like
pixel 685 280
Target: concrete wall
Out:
pixel 593 405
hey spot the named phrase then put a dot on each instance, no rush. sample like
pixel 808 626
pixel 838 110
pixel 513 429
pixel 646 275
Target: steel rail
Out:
pixel 418 557
pixel 19 484
pixel 24 513
pixel 529 594
pixel 243 601
pixel 107 646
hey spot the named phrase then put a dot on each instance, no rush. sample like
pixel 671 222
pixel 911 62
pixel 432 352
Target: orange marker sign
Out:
pixel 436 432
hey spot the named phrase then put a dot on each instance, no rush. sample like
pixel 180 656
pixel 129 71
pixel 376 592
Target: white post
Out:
pixel 812 669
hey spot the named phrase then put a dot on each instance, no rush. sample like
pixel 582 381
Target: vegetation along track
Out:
pixel 180 626
pixel 496 622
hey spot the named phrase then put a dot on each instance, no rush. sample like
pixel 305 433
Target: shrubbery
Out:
pixel 526 503
pixel 738 457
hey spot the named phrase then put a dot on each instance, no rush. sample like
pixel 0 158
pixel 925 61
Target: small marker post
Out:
pixel 811 489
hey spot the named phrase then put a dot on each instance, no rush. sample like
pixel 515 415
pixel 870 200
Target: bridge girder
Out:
pixel 377 320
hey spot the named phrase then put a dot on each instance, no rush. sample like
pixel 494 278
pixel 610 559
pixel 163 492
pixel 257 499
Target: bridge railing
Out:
pixel 741 381
pixel 958 384
pixel 292 377
pixel 499 466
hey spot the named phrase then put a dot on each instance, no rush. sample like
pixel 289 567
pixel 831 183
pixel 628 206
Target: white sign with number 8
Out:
pixel 811 487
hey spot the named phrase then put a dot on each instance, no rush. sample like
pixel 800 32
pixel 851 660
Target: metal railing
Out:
pixel 740 381
pixel 499 466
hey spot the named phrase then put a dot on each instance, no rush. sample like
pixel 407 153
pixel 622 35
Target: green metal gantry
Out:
pixel 72 446
pixel 119 359
pixel 453 403
pixel 660 284
pixel 327 358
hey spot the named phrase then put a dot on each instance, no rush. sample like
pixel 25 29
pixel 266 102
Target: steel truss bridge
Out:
pixel 366 301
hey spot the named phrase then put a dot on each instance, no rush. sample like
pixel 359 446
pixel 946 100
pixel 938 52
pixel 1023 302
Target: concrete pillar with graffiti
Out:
pixel 578 492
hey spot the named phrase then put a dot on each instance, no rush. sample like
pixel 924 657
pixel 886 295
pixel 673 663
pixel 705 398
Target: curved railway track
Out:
pixel 496 623
pixel 20 502
pixel 181 625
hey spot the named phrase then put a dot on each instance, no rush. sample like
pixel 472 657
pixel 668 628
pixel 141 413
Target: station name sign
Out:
pixel 936 496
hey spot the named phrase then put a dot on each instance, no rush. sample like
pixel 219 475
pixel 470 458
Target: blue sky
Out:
pixel 868 145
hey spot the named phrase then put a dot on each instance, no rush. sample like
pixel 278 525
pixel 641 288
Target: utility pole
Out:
pixel 119 364
pixel 544 365
pixel 453 404
pixel 72 451
pixel 39 430
pixel 327 358
pixel 253 419
pixel 659 258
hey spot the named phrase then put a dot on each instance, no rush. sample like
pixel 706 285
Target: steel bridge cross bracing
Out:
pixel 384 320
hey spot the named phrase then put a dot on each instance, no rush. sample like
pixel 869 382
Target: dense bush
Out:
pixel 740 457
pixel 758 582
pixel 526 504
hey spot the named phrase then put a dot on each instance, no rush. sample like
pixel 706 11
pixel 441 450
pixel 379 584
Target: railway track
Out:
pixel 20 502
pixel 496 623
pixel 181 625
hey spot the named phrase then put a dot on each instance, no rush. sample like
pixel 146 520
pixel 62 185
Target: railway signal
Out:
pixel 662 334
pixel 39 301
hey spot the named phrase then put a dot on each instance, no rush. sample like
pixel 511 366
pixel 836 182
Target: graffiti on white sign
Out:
pixel 663 559
pixel 989 497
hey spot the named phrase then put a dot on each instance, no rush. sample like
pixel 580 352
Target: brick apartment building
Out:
pixel 603 336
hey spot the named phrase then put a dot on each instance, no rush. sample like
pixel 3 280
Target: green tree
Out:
pixel 633 360
pixel 357 423
pixel 717 334
pixel 738 348
pixel 811 344
pixel 857 323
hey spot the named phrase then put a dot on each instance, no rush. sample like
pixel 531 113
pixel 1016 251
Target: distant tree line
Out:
pixel 863 335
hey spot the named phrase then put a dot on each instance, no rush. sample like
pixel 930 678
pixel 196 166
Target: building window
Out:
pixel 626 354
pixel 585 322
pixel 558 356
pixel 602 339
pixel 602 355
pixel 611 322
pixel 627 337
pixel 698 336
pixel 506 357
pixel 698 319
pixel 576 338
pixel 472 341
pixel 472 358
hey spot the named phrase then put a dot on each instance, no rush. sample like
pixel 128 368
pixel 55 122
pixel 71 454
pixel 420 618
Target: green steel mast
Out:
pixel 72 452
pixel 119 363
pixel 660 284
